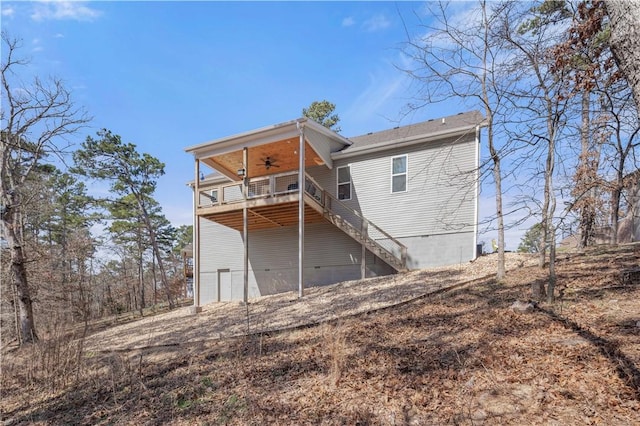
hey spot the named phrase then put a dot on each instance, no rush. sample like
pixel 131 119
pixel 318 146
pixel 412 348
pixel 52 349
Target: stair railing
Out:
pixel 365 229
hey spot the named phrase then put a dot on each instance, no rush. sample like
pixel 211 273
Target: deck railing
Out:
pixel 341 212
pixel 259 187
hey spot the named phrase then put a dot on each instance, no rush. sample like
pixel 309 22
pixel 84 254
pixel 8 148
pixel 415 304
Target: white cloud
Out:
pixel 19 91
pixel 348 21
pixel 381 97
pixel 37 47
pixel 8 11
pixel 60 10
pixel 376 23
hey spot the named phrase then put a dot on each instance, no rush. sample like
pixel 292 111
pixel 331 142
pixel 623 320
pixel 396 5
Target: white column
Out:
pixel 245 222
pixel 363 261
pixel 196 241
pixel 477 194
pixel 301 213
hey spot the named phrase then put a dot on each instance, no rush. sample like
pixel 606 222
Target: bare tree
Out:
pixel 589 68
pixel 621 131
pixel 35 120
pixel 578 66
pixel 464 62
pixel 529 34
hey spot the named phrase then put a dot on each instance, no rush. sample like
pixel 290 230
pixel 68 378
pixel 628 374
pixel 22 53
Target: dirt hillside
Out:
pixel 452 352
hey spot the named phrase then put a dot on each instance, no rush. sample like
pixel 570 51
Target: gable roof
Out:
pixel 415 133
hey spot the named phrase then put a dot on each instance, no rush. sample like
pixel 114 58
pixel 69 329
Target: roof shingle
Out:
pixel 439 125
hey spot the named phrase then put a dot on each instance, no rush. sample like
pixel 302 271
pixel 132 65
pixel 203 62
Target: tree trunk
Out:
pixel 615 212
pixel 19 277
pixel 542 254
pixel 585 174
pixel 615 207
pixel 551 286
pixel 495 156
pixel 141 272
pixel 155 281
pixel 550 202
pixel 156 251
pixel 624 16
pixel 497 177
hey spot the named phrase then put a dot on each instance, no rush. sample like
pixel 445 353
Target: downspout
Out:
pixel 196 241
pixel 477 194
pixel 301 211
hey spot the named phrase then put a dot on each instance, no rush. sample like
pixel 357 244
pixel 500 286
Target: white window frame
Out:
pixel 405 173
pixel 338 183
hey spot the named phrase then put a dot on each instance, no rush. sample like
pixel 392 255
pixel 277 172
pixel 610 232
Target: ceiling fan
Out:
pixel 268 162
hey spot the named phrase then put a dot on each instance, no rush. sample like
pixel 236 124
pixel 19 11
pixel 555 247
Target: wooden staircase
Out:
pixel 352 223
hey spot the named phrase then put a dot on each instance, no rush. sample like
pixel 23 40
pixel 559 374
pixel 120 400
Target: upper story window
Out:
pixel 344 183
pixel 399 173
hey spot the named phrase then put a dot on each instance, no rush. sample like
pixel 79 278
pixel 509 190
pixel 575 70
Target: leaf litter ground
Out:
pixel 452 352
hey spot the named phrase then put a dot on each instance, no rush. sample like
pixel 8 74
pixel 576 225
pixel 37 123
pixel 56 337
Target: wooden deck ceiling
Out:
pixel 266 216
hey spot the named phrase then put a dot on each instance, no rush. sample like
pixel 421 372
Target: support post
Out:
pixel 301 212
pixel 363 260
pixel 476 194
pixel 196 241
pixel 245 222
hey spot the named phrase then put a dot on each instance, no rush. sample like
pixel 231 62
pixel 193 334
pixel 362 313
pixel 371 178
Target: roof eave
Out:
pixel 262 135
pixel 402 142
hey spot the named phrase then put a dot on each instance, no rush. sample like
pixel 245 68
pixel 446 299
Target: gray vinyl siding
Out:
pixel 208 287
pixel 330 256
pixel 222 248
pixel 440 196
pixel 438 250
pixel 434 218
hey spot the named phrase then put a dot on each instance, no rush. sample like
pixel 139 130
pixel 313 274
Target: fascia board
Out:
pixel 327 132
pixel 235 143
pixel 319 145
pixel 399 143
pixel 261 136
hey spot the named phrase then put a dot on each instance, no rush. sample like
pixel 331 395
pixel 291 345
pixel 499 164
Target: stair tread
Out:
pixel 370 243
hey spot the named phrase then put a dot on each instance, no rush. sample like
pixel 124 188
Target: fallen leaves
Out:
pixel 460 357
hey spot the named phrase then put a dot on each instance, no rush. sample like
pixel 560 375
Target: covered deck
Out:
pixel 272 201
pixel 267 186
pixel 266 168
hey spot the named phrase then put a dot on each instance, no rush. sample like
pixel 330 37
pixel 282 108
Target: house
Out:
pixel 629 225
pixel 395 200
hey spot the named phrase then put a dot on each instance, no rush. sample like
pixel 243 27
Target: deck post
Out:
pixel 301 212
pixel 364 231
pixel 196 241
pixel 245 222
pixel 476 183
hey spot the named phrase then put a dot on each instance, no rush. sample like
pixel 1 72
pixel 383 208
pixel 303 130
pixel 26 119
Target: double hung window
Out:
pixel 399 173
pixel 344 183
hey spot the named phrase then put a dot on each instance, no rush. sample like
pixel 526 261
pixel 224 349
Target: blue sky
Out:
pixel 167 75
